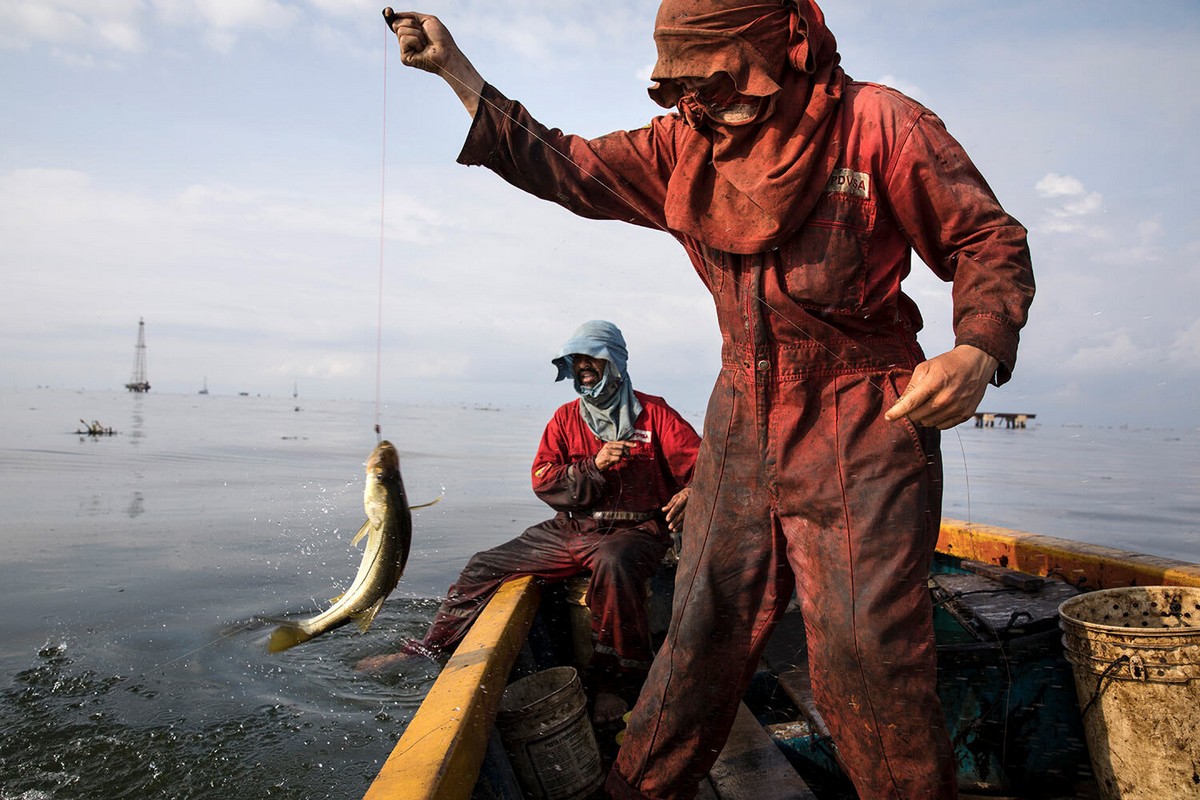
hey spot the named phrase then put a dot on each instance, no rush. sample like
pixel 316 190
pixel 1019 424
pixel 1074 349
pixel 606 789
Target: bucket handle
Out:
pixel 1138 669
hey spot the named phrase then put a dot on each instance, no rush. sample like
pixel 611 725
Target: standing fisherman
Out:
pixel 799 196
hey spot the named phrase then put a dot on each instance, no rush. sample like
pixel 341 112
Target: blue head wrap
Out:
pixel 609 408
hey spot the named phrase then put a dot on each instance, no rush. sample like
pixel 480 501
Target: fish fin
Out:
pixel 363 531
pixel 285 637
pixel 365 617
pixel 335 599
pixel 430 503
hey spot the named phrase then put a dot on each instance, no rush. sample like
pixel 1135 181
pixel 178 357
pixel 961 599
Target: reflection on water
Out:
pixel 134 567
pixel 135 428
pixel 136 505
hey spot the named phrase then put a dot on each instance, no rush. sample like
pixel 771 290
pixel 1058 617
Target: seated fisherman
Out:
pixel 615 464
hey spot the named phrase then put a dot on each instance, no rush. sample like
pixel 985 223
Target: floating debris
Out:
pixel 94 428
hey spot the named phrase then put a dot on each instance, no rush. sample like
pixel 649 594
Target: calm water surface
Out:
pixel 133 567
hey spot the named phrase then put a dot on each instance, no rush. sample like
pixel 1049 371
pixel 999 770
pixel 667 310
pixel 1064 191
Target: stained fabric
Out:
pixel 610 407
pixel 746 188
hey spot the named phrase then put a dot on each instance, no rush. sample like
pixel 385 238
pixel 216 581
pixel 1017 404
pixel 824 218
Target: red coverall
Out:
pixel 621 554
pixel 801 483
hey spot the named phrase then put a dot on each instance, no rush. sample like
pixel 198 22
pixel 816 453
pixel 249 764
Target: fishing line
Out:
pixel 242 628
pixel 966 474
pixel 382 223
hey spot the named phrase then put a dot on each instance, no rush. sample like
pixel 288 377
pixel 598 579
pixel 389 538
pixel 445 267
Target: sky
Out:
pixel 277 197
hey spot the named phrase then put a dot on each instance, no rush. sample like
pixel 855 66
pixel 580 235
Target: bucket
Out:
pixel 544 725
pixel 1135 654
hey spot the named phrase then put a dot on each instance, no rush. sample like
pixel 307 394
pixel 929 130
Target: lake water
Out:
pixel 133 568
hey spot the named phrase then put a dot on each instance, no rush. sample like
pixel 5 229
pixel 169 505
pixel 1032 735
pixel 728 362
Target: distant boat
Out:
pixel 138 382
pixel 295 389
pixel 205 389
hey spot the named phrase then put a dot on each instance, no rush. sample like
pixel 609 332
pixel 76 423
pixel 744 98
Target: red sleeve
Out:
pixel 565 478
pixel 680 444
pixel 621 175
pixel 958 228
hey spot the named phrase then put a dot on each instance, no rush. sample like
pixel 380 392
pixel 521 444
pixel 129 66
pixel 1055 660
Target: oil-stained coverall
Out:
pixel 801 483
pixel 588 533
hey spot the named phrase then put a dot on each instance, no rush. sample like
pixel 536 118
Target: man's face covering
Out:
pixel 712 58
pixel 760 84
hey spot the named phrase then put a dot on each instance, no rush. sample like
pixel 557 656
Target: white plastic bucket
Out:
pixel 1135 654
pixel 545 729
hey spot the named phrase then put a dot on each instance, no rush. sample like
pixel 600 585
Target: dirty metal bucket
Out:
pixel 545 729
pixel 1135 654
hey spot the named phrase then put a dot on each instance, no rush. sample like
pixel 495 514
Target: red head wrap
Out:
pixel 745 189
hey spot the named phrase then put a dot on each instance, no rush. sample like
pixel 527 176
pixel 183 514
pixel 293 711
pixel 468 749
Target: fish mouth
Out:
pixel 383 458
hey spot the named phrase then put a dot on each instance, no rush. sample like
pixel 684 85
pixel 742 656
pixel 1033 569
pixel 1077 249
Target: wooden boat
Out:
pixel 1001 672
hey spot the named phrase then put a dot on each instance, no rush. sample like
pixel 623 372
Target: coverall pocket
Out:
pixel 894 383
pixel 825 263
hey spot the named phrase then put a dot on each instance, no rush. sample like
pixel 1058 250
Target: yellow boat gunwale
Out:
pixel 440 753
pixel 1087 566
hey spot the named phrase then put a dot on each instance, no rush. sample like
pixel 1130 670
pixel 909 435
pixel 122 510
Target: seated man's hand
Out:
pixel 612 454
pixel 675 507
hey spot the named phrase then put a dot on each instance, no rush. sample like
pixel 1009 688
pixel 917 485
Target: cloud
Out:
pixel 1053 185
pixel 1073 207
pixel 77 31
pixel 1185 349
pixel 1115 350
pixel 903 86
pixel 1078 202
pixel 110 25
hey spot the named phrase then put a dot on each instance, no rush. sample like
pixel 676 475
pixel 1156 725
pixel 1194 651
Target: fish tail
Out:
pixel 287 636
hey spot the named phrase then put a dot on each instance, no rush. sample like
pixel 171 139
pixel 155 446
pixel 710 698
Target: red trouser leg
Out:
pixel 732 580
pixel 542 550
pixel 856 499
pixel 620 560
pixel 861 544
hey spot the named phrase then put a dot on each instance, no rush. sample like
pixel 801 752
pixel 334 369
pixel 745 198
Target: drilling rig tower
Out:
pixel 138 382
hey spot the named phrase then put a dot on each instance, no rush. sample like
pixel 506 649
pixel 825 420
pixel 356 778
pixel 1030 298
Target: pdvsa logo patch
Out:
pixel 847 181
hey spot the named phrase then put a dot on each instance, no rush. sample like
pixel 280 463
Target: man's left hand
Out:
pixel 946 389
pixel 674 509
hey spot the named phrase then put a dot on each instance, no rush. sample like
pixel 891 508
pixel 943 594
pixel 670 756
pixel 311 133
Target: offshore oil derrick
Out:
pixel 138 382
